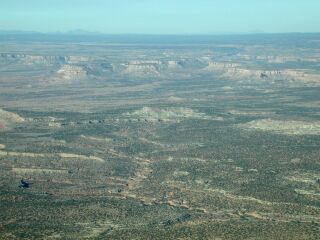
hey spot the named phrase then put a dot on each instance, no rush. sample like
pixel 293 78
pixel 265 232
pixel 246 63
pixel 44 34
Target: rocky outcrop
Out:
pixel 9 119
pixel 172 115
pixel 289 127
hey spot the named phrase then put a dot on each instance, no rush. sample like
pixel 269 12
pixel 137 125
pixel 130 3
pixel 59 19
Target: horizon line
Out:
pixel 93 33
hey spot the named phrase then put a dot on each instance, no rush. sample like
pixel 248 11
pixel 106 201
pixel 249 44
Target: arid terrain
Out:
pixel 160 137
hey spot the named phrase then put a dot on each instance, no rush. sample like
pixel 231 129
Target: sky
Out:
pixel 161 16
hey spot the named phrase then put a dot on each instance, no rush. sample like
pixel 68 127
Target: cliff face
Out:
pixel 70 72
pixel 41 59
pixel 66 69
pixel 159 68
pixel 236 71
pixel 32 59
pixel 142 68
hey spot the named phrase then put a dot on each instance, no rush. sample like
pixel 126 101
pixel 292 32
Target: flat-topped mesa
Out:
pixel 141 68
pixel 77 59
pixel 72 72
pixel 146 68
pixel 146 62
pixel 285 59
pixel 232 70
pixel 29 59
pixel 220 65
pixel 32 59
pixel 236 71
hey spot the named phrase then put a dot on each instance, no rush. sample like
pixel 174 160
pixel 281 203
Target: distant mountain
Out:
pixel 71 32
pixel 283 39
pixel 81 32
pixel 17 32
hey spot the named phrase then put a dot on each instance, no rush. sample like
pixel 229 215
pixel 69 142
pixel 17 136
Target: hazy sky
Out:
pixel 161 16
